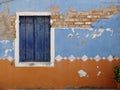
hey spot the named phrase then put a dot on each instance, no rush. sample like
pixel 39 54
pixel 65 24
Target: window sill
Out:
pixel 34 64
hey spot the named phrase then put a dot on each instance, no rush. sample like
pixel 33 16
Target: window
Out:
pixel 34 44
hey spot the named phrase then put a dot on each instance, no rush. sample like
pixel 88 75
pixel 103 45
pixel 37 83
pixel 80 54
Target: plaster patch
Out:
pixel 97 58
pixel 10 59
pixel 110 30
pixel 58 58
pixel 97 66
pixel 70 36
pixel 71 58
pixel 73 30
pixel 97 33
pixel 110 58
pixel 99 73
pixel 6 52
pixel 84 58
pixel 77 35
pixel 4 41
pixel 82 73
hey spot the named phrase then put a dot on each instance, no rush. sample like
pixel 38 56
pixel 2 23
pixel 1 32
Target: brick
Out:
pixel 85 19
pixel 55 16
pixel 82 16
pixel 89 16
pixel 69 22
pixel 86 26
pixel 88 22
pixel 93 19
pixel 102 16
pixel 79 23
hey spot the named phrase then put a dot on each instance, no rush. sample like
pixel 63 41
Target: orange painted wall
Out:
pixel 63 75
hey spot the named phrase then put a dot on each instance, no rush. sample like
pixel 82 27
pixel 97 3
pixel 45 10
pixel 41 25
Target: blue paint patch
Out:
pixel 6 49
pixel 44 5
pixel 102 40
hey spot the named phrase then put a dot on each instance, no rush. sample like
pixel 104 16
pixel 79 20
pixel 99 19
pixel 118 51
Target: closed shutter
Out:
pixel 34 38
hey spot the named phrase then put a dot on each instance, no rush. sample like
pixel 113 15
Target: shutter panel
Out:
pixel 22 39
pixel 47 39
pixel 39 38
pixel 34 38
pixel 29 39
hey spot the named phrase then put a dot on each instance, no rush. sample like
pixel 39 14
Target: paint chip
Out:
pixel 58 58
pixel 70 36
pixel 84 58
pixel 99 73
pixel 110 58
pixel 82 73
pixel 77 35
pixel 71 58
pixel 97 58
pixel 97 66
pixel 10 59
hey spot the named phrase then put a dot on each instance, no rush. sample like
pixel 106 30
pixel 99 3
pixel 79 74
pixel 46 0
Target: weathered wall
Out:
pixel 87 39
pixel 65 74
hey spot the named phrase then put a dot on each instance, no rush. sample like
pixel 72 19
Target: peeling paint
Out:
pixel 97 33
pixel 77 35
pixel 97 66
pixel 70 36
pixel 99 73
pixel 7 51
pixel 82 73
pixel 110 30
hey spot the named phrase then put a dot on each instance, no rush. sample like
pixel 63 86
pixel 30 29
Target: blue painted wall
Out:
pixel 103 39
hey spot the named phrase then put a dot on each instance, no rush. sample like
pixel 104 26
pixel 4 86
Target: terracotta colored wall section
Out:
pixel 63 75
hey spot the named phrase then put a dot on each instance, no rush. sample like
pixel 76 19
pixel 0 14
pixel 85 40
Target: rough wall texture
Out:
pixel 81 19
pixel 5 30
pixel 87 40
pixel 65 74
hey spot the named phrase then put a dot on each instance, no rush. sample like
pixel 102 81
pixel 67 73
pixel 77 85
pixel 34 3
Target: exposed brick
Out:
pixel 85 19
pixel 89 16
pixel 55 16
pixel 79 23
pixel 88 22
pixel 93 19
pixel 86 26
pixel 69 22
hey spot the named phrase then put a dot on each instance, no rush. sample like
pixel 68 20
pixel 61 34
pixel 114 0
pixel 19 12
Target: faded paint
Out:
pixel 85 51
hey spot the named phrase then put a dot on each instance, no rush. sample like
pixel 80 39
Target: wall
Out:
pixel 86 44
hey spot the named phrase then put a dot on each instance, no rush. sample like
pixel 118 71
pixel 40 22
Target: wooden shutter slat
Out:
pixel 29 38
pixel 47 39
pixel 22 39
pixel 39 38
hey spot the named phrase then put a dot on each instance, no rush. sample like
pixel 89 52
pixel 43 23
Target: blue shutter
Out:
pixel 35 38
pixel 29 39
pixel 39 38
pixel 22 40
pixel 47 39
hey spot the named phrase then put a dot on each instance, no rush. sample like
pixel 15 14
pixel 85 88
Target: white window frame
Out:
pixel 33 64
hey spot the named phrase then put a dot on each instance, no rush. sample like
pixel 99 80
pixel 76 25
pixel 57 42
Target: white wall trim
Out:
pixel 52 44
